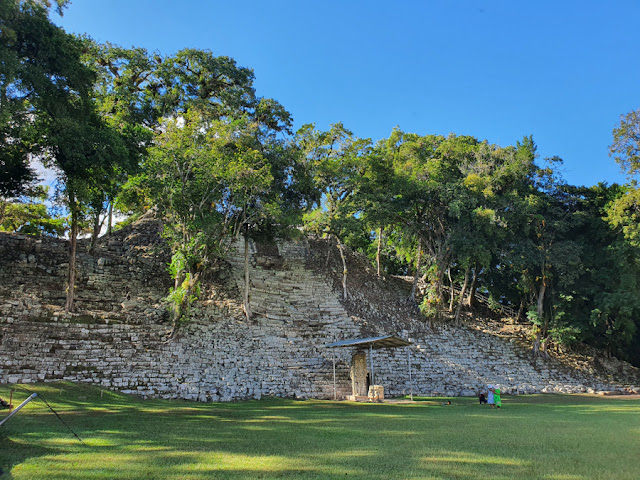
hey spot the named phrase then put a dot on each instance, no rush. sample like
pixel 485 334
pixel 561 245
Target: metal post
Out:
pixel 373 382
pixel 17 409
pixel 333 357
pixel 410 382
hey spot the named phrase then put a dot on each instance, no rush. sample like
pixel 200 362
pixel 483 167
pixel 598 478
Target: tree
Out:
pixel 335 159
pixel 123 101
pixel 599 308
pixel 499 180
pixel 38 65
pixel 46 89
pixel 197 79
pixel 29 214
pixel 428 171
pixel 626 143
pixel 207 178
pixel 625 211
pixel 194 89
pixel 136 92
pixel 375 198
pixel 267 211
pixel 81 149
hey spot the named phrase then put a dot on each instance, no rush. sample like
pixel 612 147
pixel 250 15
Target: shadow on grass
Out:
pixel 13 453
pixel 131 438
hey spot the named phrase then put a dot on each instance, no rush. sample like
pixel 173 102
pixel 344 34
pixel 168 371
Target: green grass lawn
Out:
pixel 548 437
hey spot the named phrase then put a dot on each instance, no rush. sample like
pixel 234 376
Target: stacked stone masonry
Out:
pixel 121 337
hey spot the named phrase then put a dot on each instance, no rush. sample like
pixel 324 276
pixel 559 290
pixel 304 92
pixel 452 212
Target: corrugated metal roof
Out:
pixel 386 341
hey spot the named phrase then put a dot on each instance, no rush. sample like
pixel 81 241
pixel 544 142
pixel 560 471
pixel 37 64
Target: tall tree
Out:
pixel 137 91
pixel 336 160
pixel 46 89
pixel 625 211
pixel 195 89
pixel 376 196
pixel 121 93
pixel 39 65
pixel 81 149
pixel 599 307
pixel 626 143
pixel 499 180
pixel 207 177
pixel 429 173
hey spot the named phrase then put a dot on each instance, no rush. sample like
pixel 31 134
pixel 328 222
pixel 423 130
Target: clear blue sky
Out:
pixel 562 71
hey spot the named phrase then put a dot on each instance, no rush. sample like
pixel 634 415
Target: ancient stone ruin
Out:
pixel 120 337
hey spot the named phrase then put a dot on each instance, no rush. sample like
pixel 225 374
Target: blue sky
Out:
pixel 562 71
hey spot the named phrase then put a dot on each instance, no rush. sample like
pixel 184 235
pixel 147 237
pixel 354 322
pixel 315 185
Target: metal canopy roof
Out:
pixel 386 341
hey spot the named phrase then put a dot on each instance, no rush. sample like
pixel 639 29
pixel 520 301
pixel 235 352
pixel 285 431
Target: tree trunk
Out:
pixel 452 290
pixel 540 310
pixel 96 231
pixel 73 241
pixel 521 314
pixel 536 343
pixel 471 298
pixel 378 252
pixel 462 292
pixel 440 283
pixel 344 268
pixel 412 295
pixel 540 302
pixel 247 307
pixel 110 221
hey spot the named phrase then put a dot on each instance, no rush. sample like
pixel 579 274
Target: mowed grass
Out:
pixel 541 437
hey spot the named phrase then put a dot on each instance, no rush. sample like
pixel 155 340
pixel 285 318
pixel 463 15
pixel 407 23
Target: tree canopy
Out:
pixel 187 135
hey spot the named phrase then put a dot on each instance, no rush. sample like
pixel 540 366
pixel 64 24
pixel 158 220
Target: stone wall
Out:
pixel 120 338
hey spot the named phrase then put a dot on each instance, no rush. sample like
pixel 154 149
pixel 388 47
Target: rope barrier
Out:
pixel 41 397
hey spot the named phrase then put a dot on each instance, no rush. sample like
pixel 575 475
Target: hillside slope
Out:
pixel 119 338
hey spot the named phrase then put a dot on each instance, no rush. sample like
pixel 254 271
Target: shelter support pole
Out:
pixel 333 357
pixel 17 409
pixel 410 382
pixel 373 382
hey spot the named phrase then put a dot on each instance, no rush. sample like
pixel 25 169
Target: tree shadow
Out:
pixel 127 438
pixel 13 453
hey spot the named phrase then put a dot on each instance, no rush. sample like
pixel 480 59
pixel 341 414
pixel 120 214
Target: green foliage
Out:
pixel 534 317
pixel 211 181
pixel 130 220
pixel 41 78
pixel 186 291
pixel 187 135
pixel 626 143
pixel 197 79
pixel 431 303
pixel 335 160
pixel 565 335
pixel 29 215
pixel 623 213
